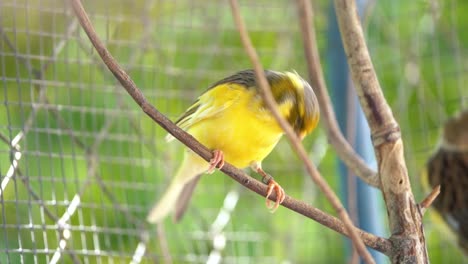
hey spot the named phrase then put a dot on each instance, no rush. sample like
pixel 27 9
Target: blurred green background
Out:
pixel 82 140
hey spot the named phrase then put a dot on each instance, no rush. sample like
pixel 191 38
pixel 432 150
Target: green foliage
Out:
pixel 174 50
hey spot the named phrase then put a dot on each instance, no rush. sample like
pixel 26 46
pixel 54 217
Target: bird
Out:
pixel 232 120
pixel 448 167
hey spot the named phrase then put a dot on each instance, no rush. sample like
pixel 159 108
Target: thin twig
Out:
pixel 70 251
pixel 165 252
pixel 344 150
pixel 149 144
pixel 35 196
pixel 41 98
pixel 427 202
pixel 293 139
pixel 375 242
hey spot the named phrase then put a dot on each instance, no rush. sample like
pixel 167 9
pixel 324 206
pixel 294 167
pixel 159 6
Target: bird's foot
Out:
pixel 217 161
pixel 272 186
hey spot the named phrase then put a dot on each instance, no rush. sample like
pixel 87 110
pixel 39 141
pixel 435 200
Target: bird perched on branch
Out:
pixel 448 167
pixel 232 120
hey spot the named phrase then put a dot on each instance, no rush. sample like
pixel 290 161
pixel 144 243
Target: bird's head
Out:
pixel 455 132
pixel 296 100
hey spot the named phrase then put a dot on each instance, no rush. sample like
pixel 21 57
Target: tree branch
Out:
pixel 375 242
pixel 427 202
pixel 405 218
pixel 336 138
pixel 293 139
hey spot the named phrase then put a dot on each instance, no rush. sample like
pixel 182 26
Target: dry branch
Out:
pixel 404 215
pixel 336 138
pixel 427 202
pixel 375 242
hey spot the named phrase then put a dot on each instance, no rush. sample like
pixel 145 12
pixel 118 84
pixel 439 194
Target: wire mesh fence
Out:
pixel 80 165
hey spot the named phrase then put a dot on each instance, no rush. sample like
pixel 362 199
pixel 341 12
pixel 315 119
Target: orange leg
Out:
pixel 216 161
pixel 272 186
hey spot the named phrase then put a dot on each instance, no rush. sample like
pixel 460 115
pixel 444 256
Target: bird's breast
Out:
pixel 245 132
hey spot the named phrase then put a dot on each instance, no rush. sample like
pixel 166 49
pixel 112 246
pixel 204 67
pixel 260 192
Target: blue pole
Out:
pixel 368 199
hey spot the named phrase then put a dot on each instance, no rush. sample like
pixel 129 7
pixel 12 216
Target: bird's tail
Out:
pixel 191 167
pixel 166 203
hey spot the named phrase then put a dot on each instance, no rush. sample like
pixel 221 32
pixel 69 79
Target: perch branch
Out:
pixel 293 138
pixel 405 218
pixel 336 138
pixel 375 242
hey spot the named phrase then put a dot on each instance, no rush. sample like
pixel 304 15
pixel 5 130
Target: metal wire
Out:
pixel 80 165
pixel 62 124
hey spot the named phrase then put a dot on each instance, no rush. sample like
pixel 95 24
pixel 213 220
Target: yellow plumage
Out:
pixel 231 117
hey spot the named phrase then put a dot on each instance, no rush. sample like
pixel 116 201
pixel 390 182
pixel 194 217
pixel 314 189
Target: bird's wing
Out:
pixel 209 104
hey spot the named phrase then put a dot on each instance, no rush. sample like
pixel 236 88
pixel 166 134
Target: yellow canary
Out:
pixel 232 120
pixel 448 167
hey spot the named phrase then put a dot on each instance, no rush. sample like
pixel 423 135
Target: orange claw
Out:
pixel 216 161
pixel 280 195
pixel 272 186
